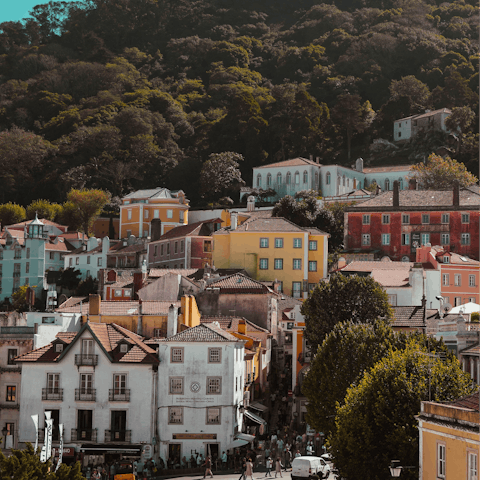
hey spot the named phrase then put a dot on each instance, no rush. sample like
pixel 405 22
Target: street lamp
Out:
pixel 395 468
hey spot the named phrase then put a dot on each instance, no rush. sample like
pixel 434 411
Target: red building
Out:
pixel 188 246
pixel 396 222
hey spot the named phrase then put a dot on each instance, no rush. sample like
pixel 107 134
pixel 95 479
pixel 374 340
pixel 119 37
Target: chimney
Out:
pixel 94 302
pixel 456 194
pixel 156 225
pixel 242 326
pixel 233 220
pixel 131 240
pixel 250 203
pixel 359 165
pixel 317 160
pixel 412 184
pixel 396 194
pixel 172 321
pixel 415 279
pixel 311 157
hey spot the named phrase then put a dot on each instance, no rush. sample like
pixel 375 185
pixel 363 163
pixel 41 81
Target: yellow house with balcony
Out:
pixel 139 208
pixel 274 248
pixel 449 439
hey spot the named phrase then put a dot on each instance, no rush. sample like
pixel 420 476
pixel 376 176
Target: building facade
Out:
pixel 406 128
pixel 395 224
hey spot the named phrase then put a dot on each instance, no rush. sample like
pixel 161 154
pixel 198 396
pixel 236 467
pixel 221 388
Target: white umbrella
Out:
pixel 469 307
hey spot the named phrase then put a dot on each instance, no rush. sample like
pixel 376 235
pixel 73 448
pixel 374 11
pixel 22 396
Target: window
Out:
pixel 385 239
pixel 213 416
pixel 445 279
pixel 129 214
pixel 288 178
pixel 123 348
pixel 28 254
pixel 472 467
pixel 161 250
pixel 279 178
pixel 296 289
pixel 182 246
pixel 70 262
pixel 168 248
pixel 269 180
pixel 458 280
pixel 176 385
pixel 264 243
pixel 53 382
pixel 297 178
pixel 366 220
pixel 279 243
pixel 278 264
pixel 155 250
pixel 18 253
pixel 445 238
pixel 305 177
pixel 214 355
pixel 385 219
pixel 11 394
pixel 59 347
pixel 425 218
pixel 343 180
pixel 328 178
pixel 88 259
pixel 392 300
pixel 458 301
pixel 176 355
pixel 77 260
pixel 175 415
pixel 214 385
pixel 441 457
pixel 465 218
pixel 207 246
pixel 156 213
pixel 405 239
pixel 365 239
pixel 446 259
pixel 465 239
pixel 12 352
pixel 312 266
pixel 169 213
pixel 51 254
pixel 400 183
pixel 312 245
pixel 425 238
pixel 259 180
pixel 175 247
pixel 387 184
pixel 471 280
pixel 445 218
pixel 297 243
pixel 118 292
pixel 297 263
pixel 263 264
pixel 145 214
pixel 27 267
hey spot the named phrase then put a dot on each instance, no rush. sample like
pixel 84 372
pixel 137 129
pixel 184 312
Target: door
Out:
pixel 174 453
pixel 55 416
pixel 84 425
pixel 118 425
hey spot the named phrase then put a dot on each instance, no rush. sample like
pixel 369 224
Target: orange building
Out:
pixel 139 208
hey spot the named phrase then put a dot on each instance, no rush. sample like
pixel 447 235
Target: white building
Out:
pixel 201 392
pixel 89 259
pixel 406 128
pixel 101 383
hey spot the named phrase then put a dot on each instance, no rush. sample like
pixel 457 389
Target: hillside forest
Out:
pixel 127 94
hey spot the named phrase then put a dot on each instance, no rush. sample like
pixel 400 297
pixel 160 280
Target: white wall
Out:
pixel 46 332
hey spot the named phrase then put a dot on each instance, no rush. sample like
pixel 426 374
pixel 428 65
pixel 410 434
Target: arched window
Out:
pixel 328 178
pixel 348 182
pixel 305 177
pixel 373 181
pixel 387 184
pixel 279 178
pixel 269 180
pixel 354 183
pixel 400 183
pixel 339 180
pixel 297 178
pixel 259 180
pixel 288 180
pixel 316 180
pixel 343 181
pixel 359 185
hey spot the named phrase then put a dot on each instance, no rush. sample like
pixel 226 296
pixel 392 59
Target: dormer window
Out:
pixel 59 347
pixel 123 348
pixel 446 259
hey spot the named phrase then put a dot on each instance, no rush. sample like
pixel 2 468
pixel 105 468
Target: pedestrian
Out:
pixel 243 468
pixel 249 469
pixel 224 459
pixel 208 466
pixel 278 467
pixel 268 464
pixel 298 454
pixel 288 459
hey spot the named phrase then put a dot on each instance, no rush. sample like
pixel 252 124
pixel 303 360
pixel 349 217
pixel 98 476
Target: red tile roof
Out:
pixel 409 317
pixel 206 332
pixel 191 229
pixel 239 283
pixel 122 308
pixel 160 272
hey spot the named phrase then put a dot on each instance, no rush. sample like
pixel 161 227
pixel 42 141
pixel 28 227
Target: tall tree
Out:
pixel 11 213
pixel 379 413
pixel 89 204
pixel 341 299
pixel 459 122
pixel 442 173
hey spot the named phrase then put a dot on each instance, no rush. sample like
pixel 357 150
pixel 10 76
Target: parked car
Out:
pixel 307 467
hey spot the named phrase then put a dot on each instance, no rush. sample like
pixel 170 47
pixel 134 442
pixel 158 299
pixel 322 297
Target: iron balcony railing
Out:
pixel 119 395
pixel 52 393
pixel 118 436
pixel 85 394
pixel 84 435
pixel 86 359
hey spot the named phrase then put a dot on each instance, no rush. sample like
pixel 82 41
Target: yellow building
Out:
pixel 449 439
pixel 139 208
pixel 274 248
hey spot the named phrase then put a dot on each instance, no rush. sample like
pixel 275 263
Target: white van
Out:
pixel 306 467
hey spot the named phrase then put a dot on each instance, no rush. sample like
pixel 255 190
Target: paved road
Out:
pixel 236 476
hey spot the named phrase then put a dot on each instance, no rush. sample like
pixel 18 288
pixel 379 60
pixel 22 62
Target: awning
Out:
pixel 97 449
pixel 254 417
pixel 240 440
pixel 258 406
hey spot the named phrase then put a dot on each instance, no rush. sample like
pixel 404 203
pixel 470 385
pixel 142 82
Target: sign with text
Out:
pixel 194 436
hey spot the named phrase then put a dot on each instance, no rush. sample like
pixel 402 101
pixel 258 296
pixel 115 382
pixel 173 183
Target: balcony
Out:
pixel 118 436
pixel 119 395
pixel 84 435
pixel 52 393
pixel 85 394
pixel 86 359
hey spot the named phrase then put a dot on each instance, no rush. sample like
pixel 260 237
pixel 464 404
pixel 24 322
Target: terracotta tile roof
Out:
pixel 391 278
pixel 286 303
pixel 119 249
pixel 257 214
pixel 470 402
pixel 205 332
pixel 420 198
pixel 367 266
pixel 60 246
pixel 392 168
pixel 74 236
pixel 43 354
pixel 191 229
pixel 122 308
pixel 160 272
pixel 159 192
pixel 413 317
pixel 70 302
pixel 66 337
pixel 455 258
pixel 199 273
pixel 124 277
pixel 232 323
pixel 43 220
pixel 239 283
pixel 272 224
pixel 294 162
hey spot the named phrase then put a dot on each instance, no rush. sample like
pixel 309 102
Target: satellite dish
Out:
pixel 446 307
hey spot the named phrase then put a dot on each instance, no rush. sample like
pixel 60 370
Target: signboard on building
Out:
pixel 416 237
pixel 194 436
pixel 147 452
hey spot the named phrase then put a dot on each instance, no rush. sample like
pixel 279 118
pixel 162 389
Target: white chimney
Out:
pixel 172 321
pixel 359 165
pixel 233 221
pixel 251 203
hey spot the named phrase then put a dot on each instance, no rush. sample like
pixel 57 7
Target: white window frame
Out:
pixel 313 245
pixel 366 239
pixel 278 264
pixel 405 219
pixel 465 239
pixel 441 460
pixel 175 385
pixel 385 239
pixel 264 242
pixel 471 281
pixel 177 354
pixel 458 280
pixel 445 239
pixel 365 219
pixel 213 415
pixel 214 355
pixel 297 243
pixel 263 263
pixel 445 218
pixel 445 279
pixel 386 219
pixel 472 465
pixel 297 264
pixel 175 415
pixel 169 213
pixel 312 266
